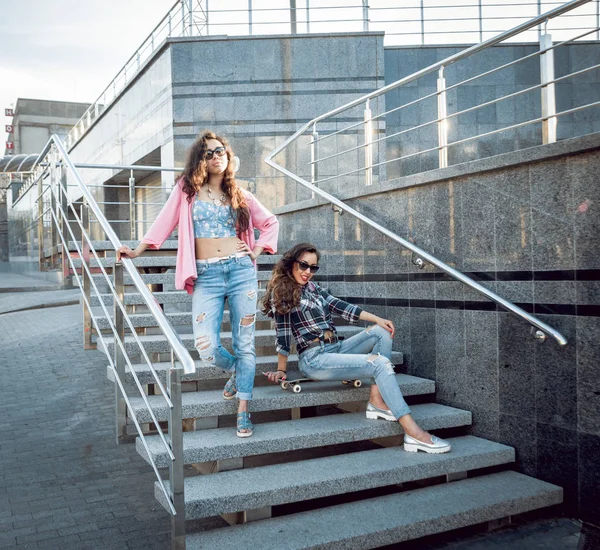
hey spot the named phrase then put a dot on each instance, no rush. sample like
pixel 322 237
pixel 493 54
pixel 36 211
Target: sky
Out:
pixel 69 50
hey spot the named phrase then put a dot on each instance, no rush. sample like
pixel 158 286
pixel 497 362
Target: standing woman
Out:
pixel 303 309
pixel 216 256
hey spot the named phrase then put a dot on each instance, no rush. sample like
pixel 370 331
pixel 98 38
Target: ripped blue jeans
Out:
pixel 234 279
pixel 365 355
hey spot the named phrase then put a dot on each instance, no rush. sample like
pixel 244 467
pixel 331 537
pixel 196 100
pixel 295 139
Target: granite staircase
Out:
pixel 316 473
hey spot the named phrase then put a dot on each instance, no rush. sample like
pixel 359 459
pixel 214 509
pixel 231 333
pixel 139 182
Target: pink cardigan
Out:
pixel 177 210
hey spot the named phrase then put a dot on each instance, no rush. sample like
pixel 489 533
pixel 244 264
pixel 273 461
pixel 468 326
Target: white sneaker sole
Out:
pixel 415 447
pixel 374 415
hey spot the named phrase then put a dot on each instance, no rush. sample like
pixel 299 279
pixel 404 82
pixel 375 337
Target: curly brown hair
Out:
pixel 283 292
pixel 195 175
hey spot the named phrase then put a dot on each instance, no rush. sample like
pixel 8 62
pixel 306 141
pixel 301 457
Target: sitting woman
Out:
pixel 303 309
pixel 216 259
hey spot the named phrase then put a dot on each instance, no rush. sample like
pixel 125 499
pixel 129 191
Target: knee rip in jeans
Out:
pixel 204 347
pixel 248 320
pixel 251 294
pixel 377 359
pixel 201 318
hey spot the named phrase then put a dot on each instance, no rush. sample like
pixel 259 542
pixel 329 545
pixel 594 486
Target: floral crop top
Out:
pixel 211 221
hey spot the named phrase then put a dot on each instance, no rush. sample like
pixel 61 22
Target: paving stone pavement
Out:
pixel 64 483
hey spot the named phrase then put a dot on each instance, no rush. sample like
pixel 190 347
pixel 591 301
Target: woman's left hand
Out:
pixel 243 247
pixel 386 324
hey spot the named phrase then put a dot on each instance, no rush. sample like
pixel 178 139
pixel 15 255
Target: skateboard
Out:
pixel 295 380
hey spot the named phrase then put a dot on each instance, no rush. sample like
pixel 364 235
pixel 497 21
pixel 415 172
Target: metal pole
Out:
pixel 53 230
pixel 85 261
pixel 368 144
pixel 64 229
pixel 442 118
pixel 132 222
pixel 190 17
pixel 539 12
pixel 176 478
pixel 119 359
pixel 314 155
pixel 422 23
pixel 250 17
pixel 294 28
pixel 40 188
pixel 365 5
pixel 548 91
pixel 598 19
pixel 480 21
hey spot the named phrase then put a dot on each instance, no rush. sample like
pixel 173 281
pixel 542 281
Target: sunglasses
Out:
pixel 219 151
pixel 303 266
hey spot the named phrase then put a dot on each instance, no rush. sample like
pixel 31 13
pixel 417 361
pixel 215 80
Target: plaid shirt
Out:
pixel 311 318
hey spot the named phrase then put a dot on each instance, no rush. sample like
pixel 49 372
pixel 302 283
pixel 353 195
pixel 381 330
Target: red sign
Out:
pixel 10 145
pixel 9 128
pixel 8 112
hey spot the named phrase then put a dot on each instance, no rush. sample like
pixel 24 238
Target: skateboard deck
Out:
pixel 295 379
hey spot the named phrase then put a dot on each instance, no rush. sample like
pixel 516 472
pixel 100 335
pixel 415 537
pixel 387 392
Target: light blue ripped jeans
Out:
pixel 367 354
pixel 234 279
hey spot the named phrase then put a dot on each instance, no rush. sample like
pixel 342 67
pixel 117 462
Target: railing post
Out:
pixel 293 23
pixel 40 227
pixel 85 278
pixel 176 479
pixel 132 222
pixel 548 91
pixel 422 23
pixel 53 208
pixel 250 17
pixel 64 226
pixel 314 155
pixel 365 6
pixel 119 357
pixel 368 144
pixel 480 21
pixel 442 120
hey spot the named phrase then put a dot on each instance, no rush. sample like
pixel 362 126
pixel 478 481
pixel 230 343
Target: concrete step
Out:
pixel 290 435
pixel 250 488
pixel 145 320
pixel 263 364
pixel 135 298
pixel 149 260
pixel 392 518
pixel 202 404
pixel 157 343
pixel 162 278
pixel 107 245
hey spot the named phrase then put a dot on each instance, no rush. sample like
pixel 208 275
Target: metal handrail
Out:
pixel 543 328
pixel 173 338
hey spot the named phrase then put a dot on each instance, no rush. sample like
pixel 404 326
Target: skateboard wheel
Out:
pixel 345 382
pixel 357 383
pixel 297 388
pixel 284 385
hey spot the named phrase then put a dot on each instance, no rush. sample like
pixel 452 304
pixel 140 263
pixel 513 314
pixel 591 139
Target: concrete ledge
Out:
pixel 236 490
pixel 157 343
pixel 390 519
pixel 263 364
pixel 211 403
pixel 290 435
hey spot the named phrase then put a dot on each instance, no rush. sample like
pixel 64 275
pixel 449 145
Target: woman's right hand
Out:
pixel 126 251
pixel 275 376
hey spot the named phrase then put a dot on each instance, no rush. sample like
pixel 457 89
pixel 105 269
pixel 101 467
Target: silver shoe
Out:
pixel 438 446
pixel 373 413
